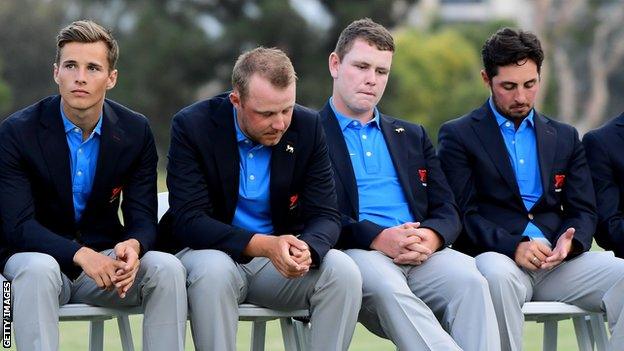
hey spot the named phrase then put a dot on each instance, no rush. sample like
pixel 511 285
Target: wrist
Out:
pixel 80 254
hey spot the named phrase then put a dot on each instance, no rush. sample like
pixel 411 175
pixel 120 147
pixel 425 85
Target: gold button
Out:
pixel 530 215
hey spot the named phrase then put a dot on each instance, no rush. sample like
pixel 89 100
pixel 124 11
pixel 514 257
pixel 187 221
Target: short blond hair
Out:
pixel 270 63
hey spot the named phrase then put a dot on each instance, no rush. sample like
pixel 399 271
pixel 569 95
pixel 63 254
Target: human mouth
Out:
pixel 80 92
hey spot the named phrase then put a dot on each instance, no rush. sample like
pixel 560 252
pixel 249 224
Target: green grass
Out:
pixel 75 336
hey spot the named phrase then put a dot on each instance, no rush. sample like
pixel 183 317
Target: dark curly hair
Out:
pixel 507 47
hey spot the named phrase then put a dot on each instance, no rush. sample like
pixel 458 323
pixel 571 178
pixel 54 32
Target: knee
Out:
pixel 29 268
pixel 343 271
pixel 164 268
pixel 210 268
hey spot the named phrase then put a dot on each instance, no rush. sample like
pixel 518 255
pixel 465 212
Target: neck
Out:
pixel 86 120
pixel 362 116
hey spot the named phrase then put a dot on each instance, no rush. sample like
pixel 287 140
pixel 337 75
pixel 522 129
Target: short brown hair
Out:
pixel 87 31
pixel 269 63
pixel 368 30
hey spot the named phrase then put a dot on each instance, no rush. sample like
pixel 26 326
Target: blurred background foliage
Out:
pixel 175 52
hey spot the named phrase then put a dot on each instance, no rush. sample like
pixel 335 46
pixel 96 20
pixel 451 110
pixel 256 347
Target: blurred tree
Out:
pixel 5 95
pixel 584 46
pixel 28 37
pixel 435 77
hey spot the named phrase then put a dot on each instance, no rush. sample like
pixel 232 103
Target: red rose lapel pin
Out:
pixel 293 202
pixel 422 174
pixel 559 182
pixel 115 193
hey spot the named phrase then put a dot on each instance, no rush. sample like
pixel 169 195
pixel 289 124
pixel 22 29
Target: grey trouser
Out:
pixel 39 287
pixel 593 281
pixel 417 307
pixel 216 285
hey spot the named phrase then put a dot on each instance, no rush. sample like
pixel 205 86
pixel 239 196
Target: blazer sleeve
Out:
pixel 319 205
pixel 358 235
pixel 139 205
pixel 478 231
pixel 191 203
pixel 442 216
pixel 579 202
pixel 610 233
pixel 19 226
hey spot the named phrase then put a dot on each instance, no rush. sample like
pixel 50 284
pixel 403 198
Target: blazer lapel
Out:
pixel 396 140
pixel 283 157
pixel 227 154
pixel 339 155
pixel 53 143
pixel 546 136
pixel 112 139
pixel 486 129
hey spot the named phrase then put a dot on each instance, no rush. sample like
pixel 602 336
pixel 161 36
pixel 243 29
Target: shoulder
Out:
pixel 563 129
pixel 606 131
pixel 26 122
pixel 304 118
pixel 202 111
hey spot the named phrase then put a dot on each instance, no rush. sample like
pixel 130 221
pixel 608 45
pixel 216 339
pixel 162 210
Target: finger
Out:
pixel 294 251
pixel 421 249
pixel 557 255
pixel 569 233
pixel 410 240
pixel 536 252
pixel 120 250
pixel 551 264
pixel 409 258
pixel 108 284
pixel 540 249
pixel 132 261
pixel 411 225
pixel 122 284
pixel 118 279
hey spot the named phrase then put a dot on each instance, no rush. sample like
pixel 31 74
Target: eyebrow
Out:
pixel 92 64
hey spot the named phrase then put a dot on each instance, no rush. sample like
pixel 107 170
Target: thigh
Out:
pixel 268 288
pixel 380 275
pixel 443 275
pixel 36 268
pixel 213 268
pixel 582 281
pixel 501 271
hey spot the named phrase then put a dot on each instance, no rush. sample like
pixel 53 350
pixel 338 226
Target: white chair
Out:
pixel 294 334
pixel 588 326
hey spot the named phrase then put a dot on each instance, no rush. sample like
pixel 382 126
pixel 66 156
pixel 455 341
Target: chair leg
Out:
pixel 288 334
pixel 582 334
pixel 258 335
pixel 599 331
pixel 550 335
pixel 302 335
pixel 125 333
pixel 96 335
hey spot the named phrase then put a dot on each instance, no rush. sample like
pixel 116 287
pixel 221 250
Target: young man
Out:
pixel 398 214
pixel 65 164
pixel 606 161
pixel 525 195
pixel 253 208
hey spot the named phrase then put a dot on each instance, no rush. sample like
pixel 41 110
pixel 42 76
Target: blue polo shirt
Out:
pixel 381 196
pixel 521 147
pixel 83 156
pixel 253 209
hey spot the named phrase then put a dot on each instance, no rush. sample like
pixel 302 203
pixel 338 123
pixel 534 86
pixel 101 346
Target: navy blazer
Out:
pixel 203 177
pixel 474 157
pixel 430 203
pixel 36 200
pixel 605 156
